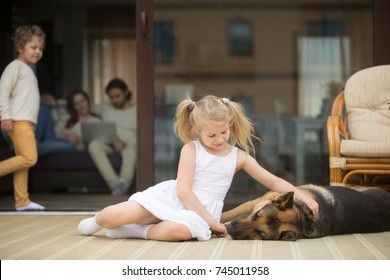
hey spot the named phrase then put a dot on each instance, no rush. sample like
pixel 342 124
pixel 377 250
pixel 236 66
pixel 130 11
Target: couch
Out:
pixel 62 172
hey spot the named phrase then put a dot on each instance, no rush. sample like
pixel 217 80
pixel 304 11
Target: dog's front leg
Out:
pixel 243 209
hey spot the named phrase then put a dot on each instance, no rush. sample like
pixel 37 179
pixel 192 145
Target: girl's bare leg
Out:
pixel 129 212
pixel 169 231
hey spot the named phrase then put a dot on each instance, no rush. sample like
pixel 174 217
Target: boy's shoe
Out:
pixel 32 206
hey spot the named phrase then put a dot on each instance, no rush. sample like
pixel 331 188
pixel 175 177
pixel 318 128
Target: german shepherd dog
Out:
pixel 342 210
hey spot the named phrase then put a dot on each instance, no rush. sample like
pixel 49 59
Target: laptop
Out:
pixel 102 131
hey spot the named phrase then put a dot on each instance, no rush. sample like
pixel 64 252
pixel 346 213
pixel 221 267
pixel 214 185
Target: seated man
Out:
pixel 121 111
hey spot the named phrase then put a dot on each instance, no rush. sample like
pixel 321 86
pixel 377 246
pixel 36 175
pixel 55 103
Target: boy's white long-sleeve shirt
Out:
pixel 19 93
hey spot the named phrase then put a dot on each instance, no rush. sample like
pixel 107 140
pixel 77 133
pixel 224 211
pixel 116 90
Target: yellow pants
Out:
pixel 23 139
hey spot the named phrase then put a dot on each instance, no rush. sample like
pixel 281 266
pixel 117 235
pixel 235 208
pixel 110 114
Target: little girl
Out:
pixel 19 106
pixel 191 206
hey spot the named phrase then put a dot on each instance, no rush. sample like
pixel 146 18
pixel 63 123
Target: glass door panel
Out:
pixel 284 61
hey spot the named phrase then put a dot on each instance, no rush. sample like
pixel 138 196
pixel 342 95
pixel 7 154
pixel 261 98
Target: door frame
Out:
pixel 145 94
pixel 381 11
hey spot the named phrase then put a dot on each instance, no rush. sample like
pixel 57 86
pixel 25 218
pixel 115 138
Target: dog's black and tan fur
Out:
pixel 342 210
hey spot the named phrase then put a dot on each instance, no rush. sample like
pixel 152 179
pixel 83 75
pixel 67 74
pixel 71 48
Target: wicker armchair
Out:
pixel 359 130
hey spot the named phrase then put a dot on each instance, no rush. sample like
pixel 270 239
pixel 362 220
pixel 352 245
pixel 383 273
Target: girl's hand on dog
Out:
pixel 310 202
pixel 313 206
pixel 219 230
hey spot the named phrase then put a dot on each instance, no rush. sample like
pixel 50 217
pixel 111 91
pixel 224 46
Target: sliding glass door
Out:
pixel 285 61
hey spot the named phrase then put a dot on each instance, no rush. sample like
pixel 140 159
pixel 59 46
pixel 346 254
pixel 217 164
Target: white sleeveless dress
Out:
pixel 212 179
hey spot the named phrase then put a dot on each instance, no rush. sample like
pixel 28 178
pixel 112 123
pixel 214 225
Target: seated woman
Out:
pixel 47 141
pixel 78 106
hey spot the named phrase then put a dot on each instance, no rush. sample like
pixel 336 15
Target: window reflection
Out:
pixel 240 37
pixel 163 42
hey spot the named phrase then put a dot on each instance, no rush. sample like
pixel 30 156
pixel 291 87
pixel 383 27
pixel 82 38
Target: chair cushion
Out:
pixel 367 101
pixel 355 148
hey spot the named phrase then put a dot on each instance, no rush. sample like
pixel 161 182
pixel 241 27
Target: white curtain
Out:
pixel 111 58
pixel 323 61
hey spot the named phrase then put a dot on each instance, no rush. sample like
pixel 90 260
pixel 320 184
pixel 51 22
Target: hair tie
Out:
pixel 225 100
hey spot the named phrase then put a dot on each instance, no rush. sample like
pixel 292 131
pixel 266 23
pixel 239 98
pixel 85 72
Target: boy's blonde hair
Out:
pixel 192 116
pixel 24 33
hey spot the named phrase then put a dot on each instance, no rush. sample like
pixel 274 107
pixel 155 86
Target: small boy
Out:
pixel 19 107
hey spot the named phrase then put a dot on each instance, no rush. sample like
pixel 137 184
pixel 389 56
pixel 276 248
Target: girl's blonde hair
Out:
pixel 192 116
pixel 24 33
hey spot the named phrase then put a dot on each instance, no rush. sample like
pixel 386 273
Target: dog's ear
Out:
pixel 288 235
pixel 284 201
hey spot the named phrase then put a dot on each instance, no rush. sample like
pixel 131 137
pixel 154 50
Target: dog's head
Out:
pixel 277 218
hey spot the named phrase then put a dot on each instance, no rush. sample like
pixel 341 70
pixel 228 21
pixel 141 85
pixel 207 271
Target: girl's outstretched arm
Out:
pixel 190 201
pixel 274 183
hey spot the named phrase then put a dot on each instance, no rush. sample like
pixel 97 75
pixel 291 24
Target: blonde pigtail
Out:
pixel 242 128
pixel 182 126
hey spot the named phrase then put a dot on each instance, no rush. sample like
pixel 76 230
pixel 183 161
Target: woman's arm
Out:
pixel 274 183
pixel 185 194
